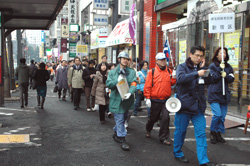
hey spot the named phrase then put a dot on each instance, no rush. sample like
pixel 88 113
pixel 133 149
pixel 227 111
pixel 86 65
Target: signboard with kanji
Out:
pixel 82 50
pixel 100 4
pixel 72 50
pixel 100 20
pixel 72 11
pixel 220 23
pixel 124 7
pixel 65 31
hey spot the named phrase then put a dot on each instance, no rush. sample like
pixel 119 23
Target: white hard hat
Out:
pixel 160 56
pixel 123 54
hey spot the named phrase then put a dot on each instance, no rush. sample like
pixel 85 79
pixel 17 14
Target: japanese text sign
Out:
pixel 100 4
pixel 72 11
pixel 219 23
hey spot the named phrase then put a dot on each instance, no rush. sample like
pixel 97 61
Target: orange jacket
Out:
pixel 162 85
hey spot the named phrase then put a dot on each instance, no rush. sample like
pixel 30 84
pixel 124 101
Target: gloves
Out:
pixel 127 96
pixel 223 74
pixel 148 103
pixel 222 65
pixel 120 77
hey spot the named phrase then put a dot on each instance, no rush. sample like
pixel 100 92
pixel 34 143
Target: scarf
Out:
pixel 104 75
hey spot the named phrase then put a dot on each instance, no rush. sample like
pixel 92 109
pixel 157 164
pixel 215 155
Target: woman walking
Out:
pixel 100 91
pixel 216 99
pixel 41 77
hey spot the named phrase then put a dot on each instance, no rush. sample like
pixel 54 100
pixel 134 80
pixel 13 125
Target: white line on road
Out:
pixel 7 114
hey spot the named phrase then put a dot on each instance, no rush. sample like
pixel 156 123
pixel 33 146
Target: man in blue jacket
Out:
pixel 190 91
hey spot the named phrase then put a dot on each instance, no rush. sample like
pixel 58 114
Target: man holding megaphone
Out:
pixel 191 78
pixel 157 90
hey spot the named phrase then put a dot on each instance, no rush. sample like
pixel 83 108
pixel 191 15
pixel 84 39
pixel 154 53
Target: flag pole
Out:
pixel 222 61
pixel 170 53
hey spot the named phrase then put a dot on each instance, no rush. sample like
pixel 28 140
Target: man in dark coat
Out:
pixel 62 80
pixel 23 73
pixel 190 91
pixel 33 70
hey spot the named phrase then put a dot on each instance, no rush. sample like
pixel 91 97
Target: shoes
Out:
pixel 220 138
pixel 75 108
pixel 63 99
pixel 116 138
pixel 41 107
pixel 182 159
pixel 148 135
pixel 88 109
pixel 59 97
pixel 22 106
pixel 109 114
pixel 208 164
pixel 124 144
pixel 26 104
pixel 92 109
pixel 167 142
pixel 213 137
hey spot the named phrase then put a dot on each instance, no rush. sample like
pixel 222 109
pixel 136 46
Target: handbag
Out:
pixel 34 84
pixel 55 89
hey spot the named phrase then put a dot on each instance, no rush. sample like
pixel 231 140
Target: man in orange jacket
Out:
pixel 157 90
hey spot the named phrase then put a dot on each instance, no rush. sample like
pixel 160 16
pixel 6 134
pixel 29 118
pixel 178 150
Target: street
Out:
pixel 61 136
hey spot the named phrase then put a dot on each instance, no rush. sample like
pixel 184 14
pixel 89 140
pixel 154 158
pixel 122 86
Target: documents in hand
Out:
pixel 122 87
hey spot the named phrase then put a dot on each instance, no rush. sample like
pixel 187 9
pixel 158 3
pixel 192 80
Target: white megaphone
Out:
pixel 173 104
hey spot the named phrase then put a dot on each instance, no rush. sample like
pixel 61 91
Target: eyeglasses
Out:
pixel 197 55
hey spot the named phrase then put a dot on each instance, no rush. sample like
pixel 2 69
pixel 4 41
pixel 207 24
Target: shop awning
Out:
pixel 176 24
pixel 30 14
pixel 120 34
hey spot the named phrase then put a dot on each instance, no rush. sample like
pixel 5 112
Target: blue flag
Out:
pixel 166 50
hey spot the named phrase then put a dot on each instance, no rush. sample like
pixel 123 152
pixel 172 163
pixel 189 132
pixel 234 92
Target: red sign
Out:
pixel 64 21
pixel 63 45
pixel 1 78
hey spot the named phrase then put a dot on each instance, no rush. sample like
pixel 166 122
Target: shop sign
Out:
pixel 94 39
pixel 73 37
pixel 72 50
pixel 147 41
pixel 72 11
pixel 63 45
pixel 182 51
pixel 82 50
pixel 64 21
pixel 100 20
pixel 219 23
pixel 74 28
pixel 42 36
pixel 124 7
pixel 232 42
pixel 103 35
pixel 160 1
pixel 100 4
pixel 65 31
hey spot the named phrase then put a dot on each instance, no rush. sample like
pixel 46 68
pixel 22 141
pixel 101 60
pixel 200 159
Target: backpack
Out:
pixel 153 71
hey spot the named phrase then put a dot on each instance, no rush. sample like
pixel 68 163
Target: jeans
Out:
pixel 138 100
pixel 159 110
pixel 181 124
pixel 23 87
pixel 119 127
pixel 218 119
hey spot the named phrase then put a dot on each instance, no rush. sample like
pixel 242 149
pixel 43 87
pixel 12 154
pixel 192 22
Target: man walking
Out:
pixel 190 91
pixel 75 81
pixel 62 80
pixel 157 90
pixel 33 70
pixel 23 73
pixel 117 105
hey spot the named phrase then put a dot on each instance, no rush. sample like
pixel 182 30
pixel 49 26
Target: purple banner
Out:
pixel 132 27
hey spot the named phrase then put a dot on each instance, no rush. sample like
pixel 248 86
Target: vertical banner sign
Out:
pixel 42 44
pixel 63 45
pixel 72 11
pixel 132 27
pixel 147 41
pixel 72 50
pixel 221 23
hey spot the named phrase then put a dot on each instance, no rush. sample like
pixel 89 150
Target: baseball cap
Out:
pixel 160 56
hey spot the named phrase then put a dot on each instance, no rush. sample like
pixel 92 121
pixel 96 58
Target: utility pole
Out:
pixel 19 45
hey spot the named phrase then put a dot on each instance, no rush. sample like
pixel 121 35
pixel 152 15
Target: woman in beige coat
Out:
pixel 100 91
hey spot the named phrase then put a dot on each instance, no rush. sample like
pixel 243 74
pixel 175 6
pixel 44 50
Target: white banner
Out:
pixel 219 23
pixel 72 11
pixel 65 31
pixel 100 4
pixel 100 20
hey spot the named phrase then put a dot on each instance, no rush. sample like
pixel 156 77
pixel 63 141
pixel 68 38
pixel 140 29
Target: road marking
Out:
pixel 21 110
pixel 227 139
pixel 7 114
pixel 21 138
pixel 233 165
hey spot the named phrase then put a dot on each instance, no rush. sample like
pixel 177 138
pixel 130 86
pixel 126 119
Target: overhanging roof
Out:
pixel 30 14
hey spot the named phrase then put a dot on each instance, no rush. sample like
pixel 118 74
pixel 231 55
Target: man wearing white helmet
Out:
pixel 157 90
pixel 118 106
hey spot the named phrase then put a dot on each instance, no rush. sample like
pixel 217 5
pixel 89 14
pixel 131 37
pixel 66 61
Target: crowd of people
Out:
pixel 99 84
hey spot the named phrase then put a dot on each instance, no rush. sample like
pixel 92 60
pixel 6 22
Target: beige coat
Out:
pixel 98 90
pixel 75 78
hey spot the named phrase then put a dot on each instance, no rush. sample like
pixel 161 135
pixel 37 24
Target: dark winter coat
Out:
pixel 41 76
pixel 215 89
pixel 86 76
pixel 189 91
pixel 61 78
pixel 98 90
pixel 23 73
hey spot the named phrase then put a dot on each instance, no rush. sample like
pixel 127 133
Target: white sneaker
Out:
pixel 93 109
pixel 88 109
pixel 126 124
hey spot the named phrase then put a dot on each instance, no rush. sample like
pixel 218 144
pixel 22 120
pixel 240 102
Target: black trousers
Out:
pixel 157 111
pixel 102 110
pixel 23 88
pixel 77 96
pixel 60 92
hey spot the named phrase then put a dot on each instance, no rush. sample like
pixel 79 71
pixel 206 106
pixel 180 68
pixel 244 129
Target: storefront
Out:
pixel 194 31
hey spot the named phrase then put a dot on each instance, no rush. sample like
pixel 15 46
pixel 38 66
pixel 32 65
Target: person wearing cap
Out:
pixel 118 106
pixel 190 88
pixel 157 90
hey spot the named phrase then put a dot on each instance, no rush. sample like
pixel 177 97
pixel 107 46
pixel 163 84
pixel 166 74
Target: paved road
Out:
pixel 61 136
